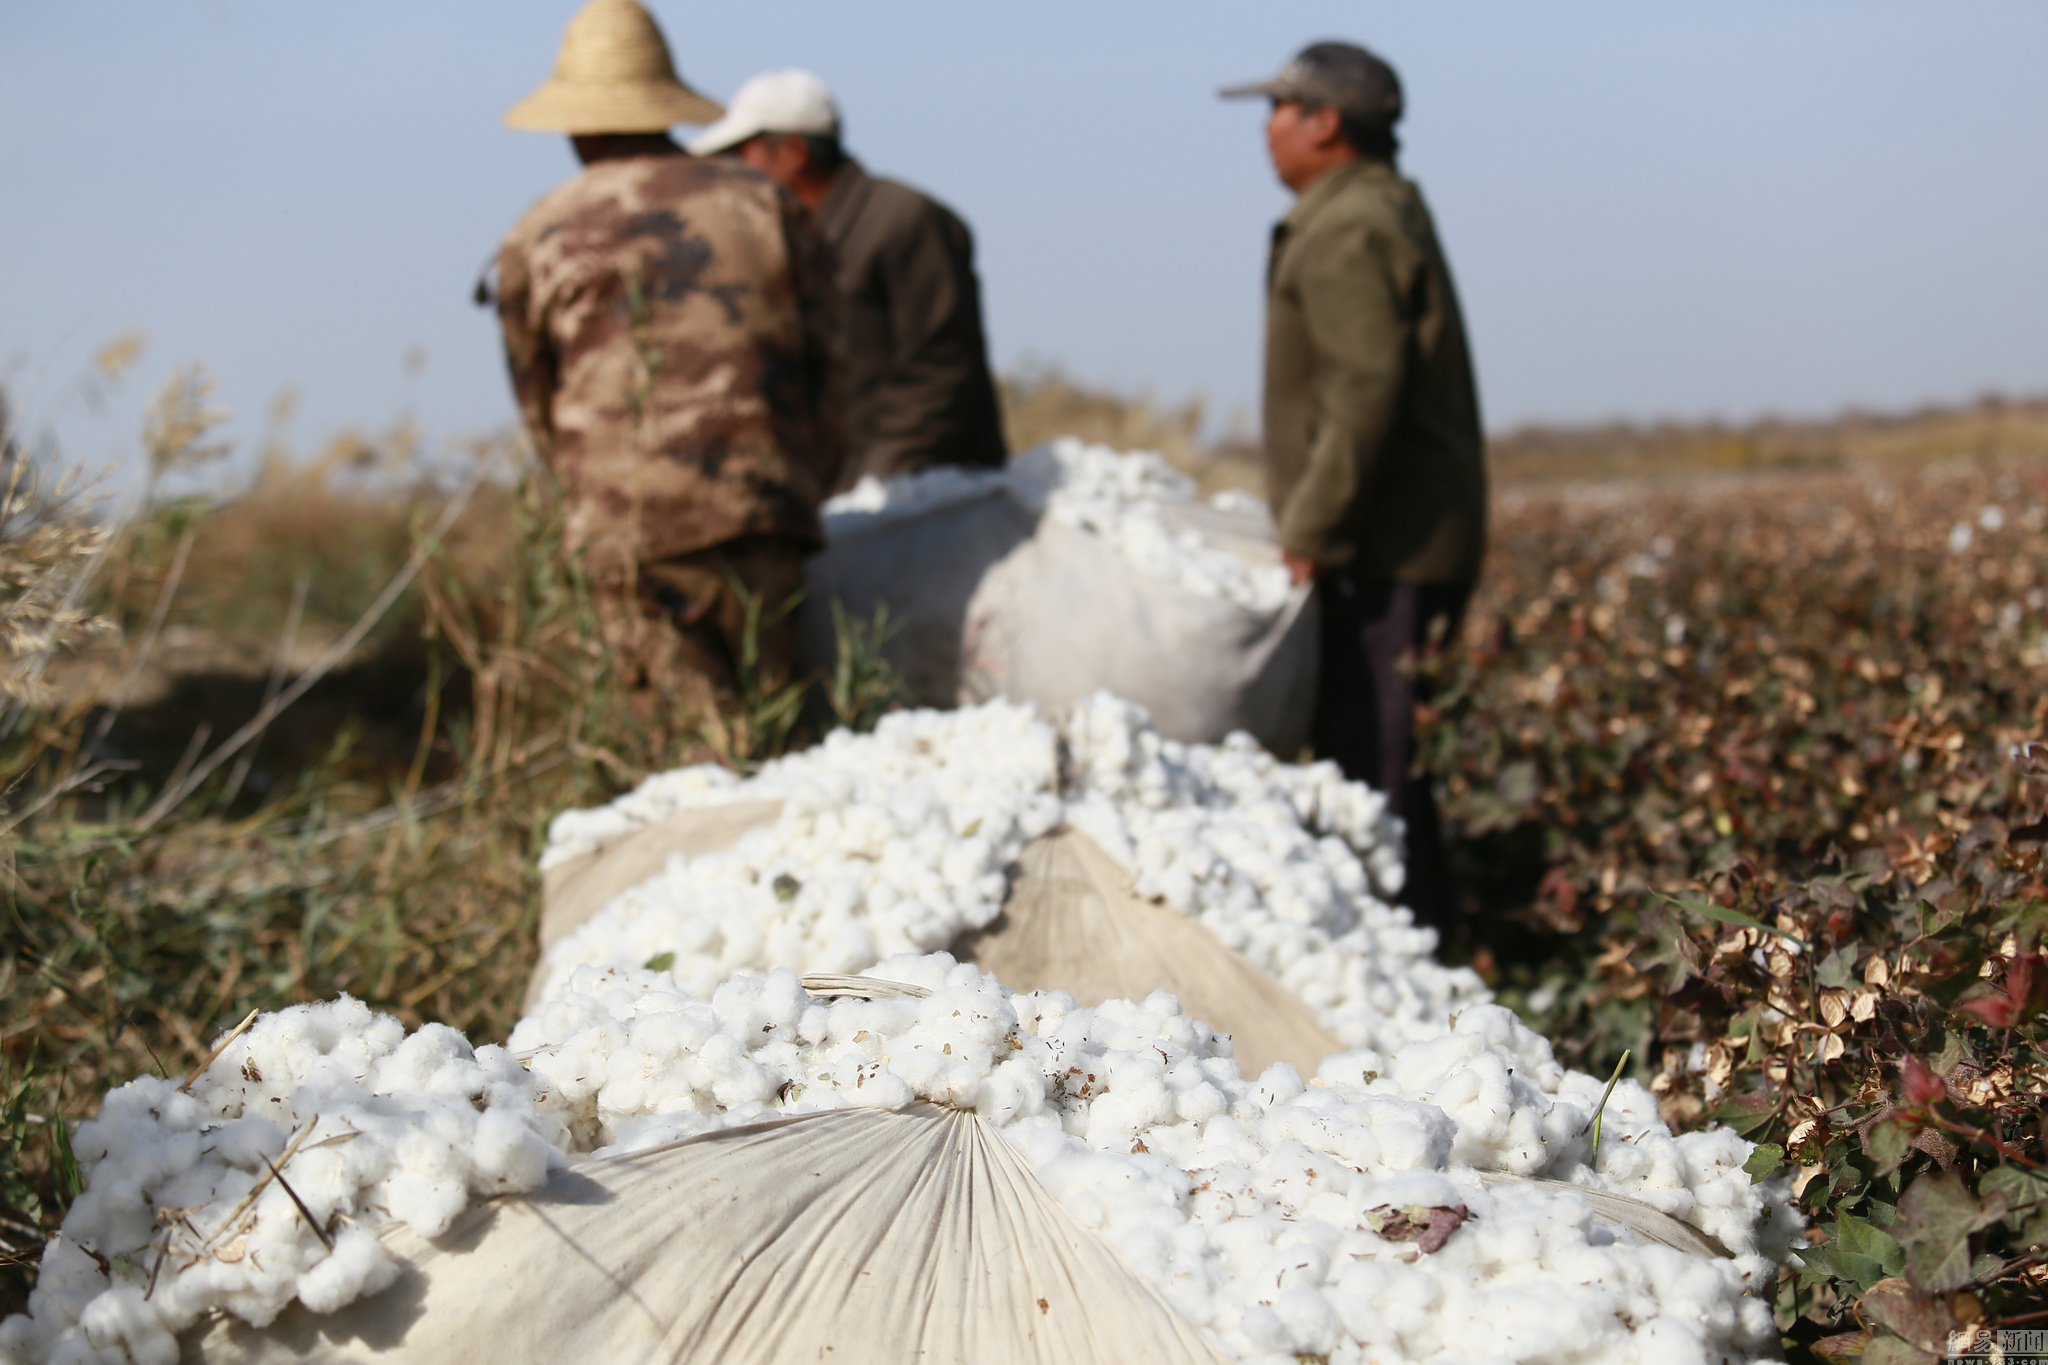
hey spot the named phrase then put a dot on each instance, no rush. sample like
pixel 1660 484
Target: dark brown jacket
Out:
pixel 918 387
pixel 669 323
pixel 1375 464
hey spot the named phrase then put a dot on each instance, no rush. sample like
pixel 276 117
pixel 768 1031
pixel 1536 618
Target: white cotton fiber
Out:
pixel 892 842
pixel 1253 1205
pixel 901 841
pixel 1128 498
pixel 1248 1203
pixel 367 1125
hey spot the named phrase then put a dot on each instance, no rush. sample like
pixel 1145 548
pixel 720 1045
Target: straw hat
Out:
pixel 613 75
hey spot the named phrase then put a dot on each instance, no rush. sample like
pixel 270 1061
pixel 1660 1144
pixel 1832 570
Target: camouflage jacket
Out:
pixel 669 325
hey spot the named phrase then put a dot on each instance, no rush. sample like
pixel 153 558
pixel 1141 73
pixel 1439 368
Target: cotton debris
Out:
pixel 1123 497
pixel 181 1214
pixel 900 841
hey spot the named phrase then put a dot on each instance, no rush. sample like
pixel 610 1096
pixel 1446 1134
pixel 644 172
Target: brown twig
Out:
pixel 278 665
pixel 261 1185
pixel 2024 1317
pixel 1965 1130
pixel 218 1048
pixel 193 748
pixel 531 760
pixel 71 783
pixel 300 1204
pixel 163 1252
pixel 157 612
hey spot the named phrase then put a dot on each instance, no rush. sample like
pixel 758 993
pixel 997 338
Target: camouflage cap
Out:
pixel 1340 76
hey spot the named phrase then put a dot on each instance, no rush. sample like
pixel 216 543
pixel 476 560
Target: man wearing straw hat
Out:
pixel 919 391
pixel 668 322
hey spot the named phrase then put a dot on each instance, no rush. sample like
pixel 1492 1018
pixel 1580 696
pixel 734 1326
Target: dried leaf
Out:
pixel 1708 910
pixel 1841 1346
pixel 1428 1226
pixel 1887 1141
pixel 1888 1350
pixel 1920 1318
pixel 1937 1214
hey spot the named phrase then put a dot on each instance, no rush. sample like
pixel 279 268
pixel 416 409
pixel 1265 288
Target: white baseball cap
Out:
pixel 787 101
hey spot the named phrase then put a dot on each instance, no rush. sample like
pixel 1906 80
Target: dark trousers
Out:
pixel 1365 710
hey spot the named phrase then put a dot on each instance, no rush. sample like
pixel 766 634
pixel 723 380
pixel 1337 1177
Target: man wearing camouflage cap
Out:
pixel 1375 464
pixel 668 323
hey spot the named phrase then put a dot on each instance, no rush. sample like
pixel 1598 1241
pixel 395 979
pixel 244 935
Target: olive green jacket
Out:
pixel 1375 464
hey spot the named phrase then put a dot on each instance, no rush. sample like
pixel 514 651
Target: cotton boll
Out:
pixel 1280 1083
pixel 428 1189
pixel 1670 1339
pixel 1199 1102
pixel 1359 1293
pixel 1016 1090
pixel 1357 1068
pixel 1125 1110
pixel 1312 1325
pixel 1266 1330
pixel 436 1059
pixel 508 1154
pixel 120 1318
pixel 356 1267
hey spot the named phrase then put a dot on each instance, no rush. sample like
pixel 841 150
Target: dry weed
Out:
pixel 46 545
pixel 144 912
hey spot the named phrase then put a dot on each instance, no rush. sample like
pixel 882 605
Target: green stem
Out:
pixel 1601 1108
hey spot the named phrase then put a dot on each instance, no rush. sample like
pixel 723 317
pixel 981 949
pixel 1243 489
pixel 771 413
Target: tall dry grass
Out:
pixel 46 546
pixel 150 896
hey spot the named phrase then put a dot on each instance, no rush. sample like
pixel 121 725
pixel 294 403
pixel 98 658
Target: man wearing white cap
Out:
pixel 669 323
pixel 918 387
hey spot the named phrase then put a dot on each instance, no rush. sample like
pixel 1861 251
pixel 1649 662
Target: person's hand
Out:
pixel 1300 568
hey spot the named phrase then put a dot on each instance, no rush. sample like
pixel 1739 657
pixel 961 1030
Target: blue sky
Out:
pixel 1653 209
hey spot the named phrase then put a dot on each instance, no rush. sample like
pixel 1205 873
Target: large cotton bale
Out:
pixel 1073 570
